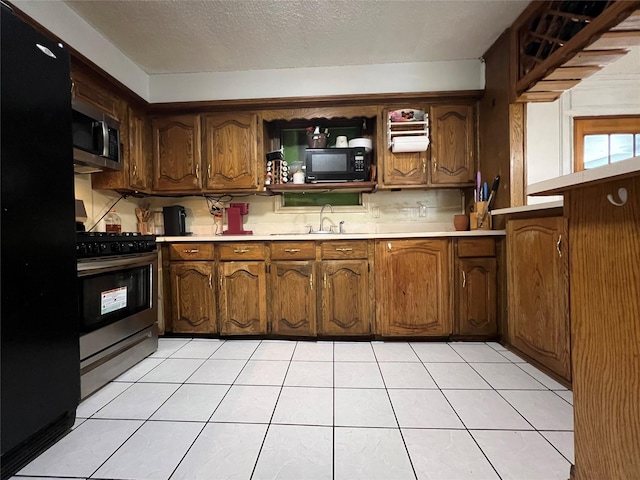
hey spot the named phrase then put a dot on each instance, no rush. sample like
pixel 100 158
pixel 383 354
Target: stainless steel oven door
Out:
pixel 117 299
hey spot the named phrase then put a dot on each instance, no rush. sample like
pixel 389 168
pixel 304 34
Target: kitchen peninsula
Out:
pixel 603 210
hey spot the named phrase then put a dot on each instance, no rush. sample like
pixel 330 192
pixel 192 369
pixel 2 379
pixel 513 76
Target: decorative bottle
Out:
pixel 112 222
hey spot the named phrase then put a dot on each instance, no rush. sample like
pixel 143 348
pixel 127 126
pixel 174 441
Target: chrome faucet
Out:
pixel 322 219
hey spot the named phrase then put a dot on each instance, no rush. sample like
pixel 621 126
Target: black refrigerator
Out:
pixel 40 377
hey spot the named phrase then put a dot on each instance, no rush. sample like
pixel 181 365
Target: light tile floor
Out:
pixel 250 409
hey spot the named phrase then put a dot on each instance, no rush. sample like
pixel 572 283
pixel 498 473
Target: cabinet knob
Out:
pixel 435 164
pixel 622 195
pixel 135 169
pixel 210 281
pixel 209 170
pixel 464 279
pixel 325 280
pixel 388 245
pixel 197 170
pixel 311 281
pixel 220 282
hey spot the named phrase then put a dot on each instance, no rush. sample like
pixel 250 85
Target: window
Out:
pixel 600 141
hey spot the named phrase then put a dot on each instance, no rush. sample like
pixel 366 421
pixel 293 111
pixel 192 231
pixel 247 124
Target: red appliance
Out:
pixel 235 212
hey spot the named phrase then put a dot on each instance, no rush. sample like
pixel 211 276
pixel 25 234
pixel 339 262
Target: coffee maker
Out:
pixel 235 212
pixel 174 221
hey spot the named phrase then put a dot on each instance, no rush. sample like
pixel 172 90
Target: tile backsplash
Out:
pixel 381 212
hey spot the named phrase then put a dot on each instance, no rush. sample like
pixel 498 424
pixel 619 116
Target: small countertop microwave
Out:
pixel 96 139
pixel 336 165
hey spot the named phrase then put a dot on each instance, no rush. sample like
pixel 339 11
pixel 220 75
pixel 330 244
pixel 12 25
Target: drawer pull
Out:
pixel 292 250
pixel 311 281
pixel 558 245
pixel 622 194
pixel 325 280
pixel 197 171
pixel 220 283
pixel 464 279
pixel 344 249
pixel 241 250
pixel 191 250
pixel 210 281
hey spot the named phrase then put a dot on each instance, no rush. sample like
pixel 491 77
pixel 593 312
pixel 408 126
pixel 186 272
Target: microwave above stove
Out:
pixel 337 165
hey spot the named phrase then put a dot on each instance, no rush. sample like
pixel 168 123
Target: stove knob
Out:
pixel 103 248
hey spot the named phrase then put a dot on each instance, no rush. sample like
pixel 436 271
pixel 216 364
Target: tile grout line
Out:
pixel 264 439
pixel 404 442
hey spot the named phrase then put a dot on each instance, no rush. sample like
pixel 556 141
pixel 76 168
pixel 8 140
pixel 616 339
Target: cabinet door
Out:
pixel 405 168
pixel 231 145
pixel 193 297
pixel 293 298
pixel 452 150
pixel 345 297
pixel 85 88
pixel 412 287
pixel 476 299
pixel 176 153
pixel 138 162
pixel 538 291
pixel 243 294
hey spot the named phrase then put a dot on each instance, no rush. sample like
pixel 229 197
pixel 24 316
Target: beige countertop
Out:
pixel 614 171
pixel 342 236
pixel 528 208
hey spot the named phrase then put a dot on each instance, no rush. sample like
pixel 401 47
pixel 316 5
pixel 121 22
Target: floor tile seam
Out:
pixel 273 412
pixel 142 424
pixel 556 392
pixel 234 379
pixel 554 447
pixel 105 405
pixel 198 358
pixel 188 449
pixel 513 406
pixel 395 416
pixel 487 344
pixel 528 389
pixel 548 388
pixel 484 454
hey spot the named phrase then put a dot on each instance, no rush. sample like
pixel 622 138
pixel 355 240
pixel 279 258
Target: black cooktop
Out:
pixel 98 244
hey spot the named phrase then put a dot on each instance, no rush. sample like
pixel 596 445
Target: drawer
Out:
pixel 293 250
pixel 476 247
pixel 346 249
pixel 191 251
pixel 242 251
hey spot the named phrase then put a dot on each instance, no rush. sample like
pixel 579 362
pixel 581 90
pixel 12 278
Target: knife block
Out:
pixel 479 210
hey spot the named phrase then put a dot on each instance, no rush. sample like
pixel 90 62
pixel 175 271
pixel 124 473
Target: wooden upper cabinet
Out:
pixel 85 88
pixel 406 169
pixel 231 144
pixel 177 153
pixel 413 287
pixel 139 159
pixel 453 144
pixel 538 291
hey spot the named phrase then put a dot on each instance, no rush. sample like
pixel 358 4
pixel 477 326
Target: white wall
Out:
pixel 391 78
pixel 615 90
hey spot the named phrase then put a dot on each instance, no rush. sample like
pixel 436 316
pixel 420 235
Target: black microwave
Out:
pixel 337 165
pixel 96 139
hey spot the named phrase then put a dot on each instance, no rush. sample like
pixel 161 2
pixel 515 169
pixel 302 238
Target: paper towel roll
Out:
pixel 410 144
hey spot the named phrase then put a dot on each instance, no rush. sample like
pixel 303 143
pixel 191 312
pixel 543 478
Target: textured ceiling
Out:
pixel 187 36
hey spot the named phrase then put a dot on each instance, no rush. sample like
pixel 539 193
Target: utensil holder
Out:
pixel 480 209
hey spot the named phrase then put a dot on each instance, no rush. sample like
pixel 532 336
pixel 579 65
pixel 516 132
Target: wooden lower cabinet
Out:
pixel 243 298
pixel 345 304
pixel 193 297
pixel 293 298
pixel 475 285
pixel 476 299
pixel 538 291
pixel 413 287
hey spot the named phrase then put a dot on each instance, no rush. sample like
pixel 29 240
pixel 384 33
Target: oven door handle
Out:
pixel 103 265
